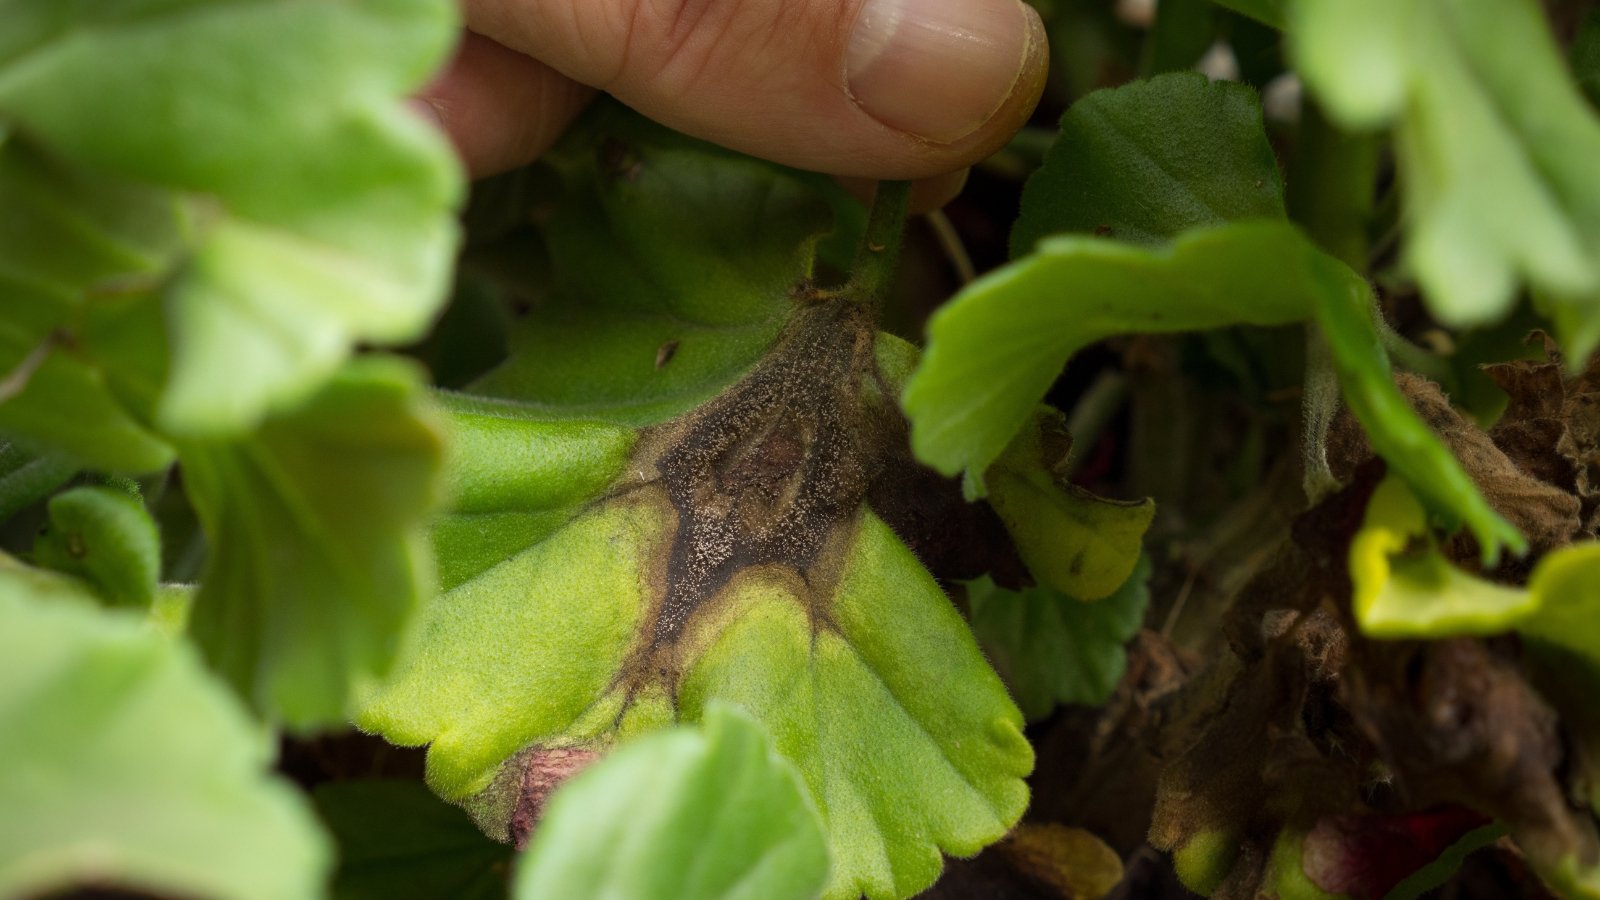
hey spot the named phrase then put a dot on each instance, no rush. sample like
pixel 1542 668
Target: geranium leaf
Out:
pixel 396 839
pixel 1405 591
pixel 317 552
pixel 529 654
pixel 27 478
pixel 995 349
pixel 639 327
pixel 1072 541
pixel 1269 12
pixel 123 762
pixel 708 814
pixel 1051 648
pixel 1145 161
pixel 515 476
pixel 317 211
pixel 73 244
pixel 106 537
pixel 1495 149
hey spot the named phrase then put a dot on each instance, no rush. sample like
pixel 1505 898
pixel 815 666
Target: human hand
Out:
pixel 864 89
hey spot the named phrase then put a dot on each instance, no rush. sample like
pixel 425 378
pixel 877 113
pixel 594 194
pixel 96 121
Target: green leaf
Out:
pixel 1496 149
pixel 712 814
pixel 106 537
pixel 123 762
pixel 1585 57
pixel 317 553
pixel 1566 586
pixel 519 651
pixel 1148 160
pixel 1421 882
pixel 1071 540
pixel 528 655
pixel 26 478
pixel 73 245
pixel 1052 648
pixel 317 211
pixel 1405 588
pixel 396 839
pixel 1402 592
pixel 640 326
pixel 996 348
pixel 1269 12
pixel 898 771
pixel 515 477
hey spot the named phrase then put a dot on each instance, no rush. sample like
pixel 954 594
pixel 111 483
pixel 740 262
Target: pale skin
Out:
pixel 861 89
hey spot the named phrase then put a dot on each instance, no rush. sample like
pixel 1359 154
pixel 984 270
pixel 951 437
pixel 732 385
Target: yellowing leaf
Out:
pixel 1406 593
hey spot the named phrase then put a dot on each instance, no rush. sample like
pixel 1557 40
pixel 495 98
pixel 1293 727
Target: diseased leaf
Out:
pixel 1404 592
pixel 396 839
pixel 713 814
pixel 1404 588
pixel 123 762
pixel 639 328
pixel 317 557
pixel 733 560
pixel 995 349
pixel 316 213
pixel 528 653
pixel 106 537
pixel 1143 162
pixel 1496 149
pixel 715 535
pixel 898 771
pixel 1051 648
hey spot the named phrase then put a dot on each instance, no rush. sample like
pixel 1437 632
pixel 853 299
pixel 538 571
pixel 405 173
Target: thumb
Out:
pixel 869 88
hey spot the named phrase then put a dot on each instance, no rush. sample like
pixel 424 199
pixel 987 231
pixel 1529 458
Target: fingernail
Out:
pixel 940 69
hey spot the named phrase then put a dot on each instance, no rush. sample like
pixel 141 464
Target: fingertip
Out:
pixel 500 108
pixel 933 85
pixel 927 194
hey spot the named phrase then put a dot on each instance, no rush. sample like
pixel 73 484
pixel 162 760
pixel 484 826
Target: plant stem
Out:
pixel 873 271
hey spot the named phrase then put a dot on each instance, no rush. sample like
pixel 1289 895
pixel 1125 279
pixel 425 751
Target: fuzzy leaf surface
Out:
pixel 72 246
pixel 995 349
pixel 318 210
pixel 638 326
pixel 27 478
pixel 1071 540
pixel 123 761
pixel 529 652
pixel 318 556
pixel 106 537
pixel 396 839
pixel 707 814
pixel 1143 162
pixel 515 476
pixel 1051 648
pixel 1496 149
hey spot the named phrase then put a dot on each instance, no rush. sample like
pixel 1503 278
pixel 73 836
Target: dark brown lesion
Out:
pixel 764 473
pixel 773 474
